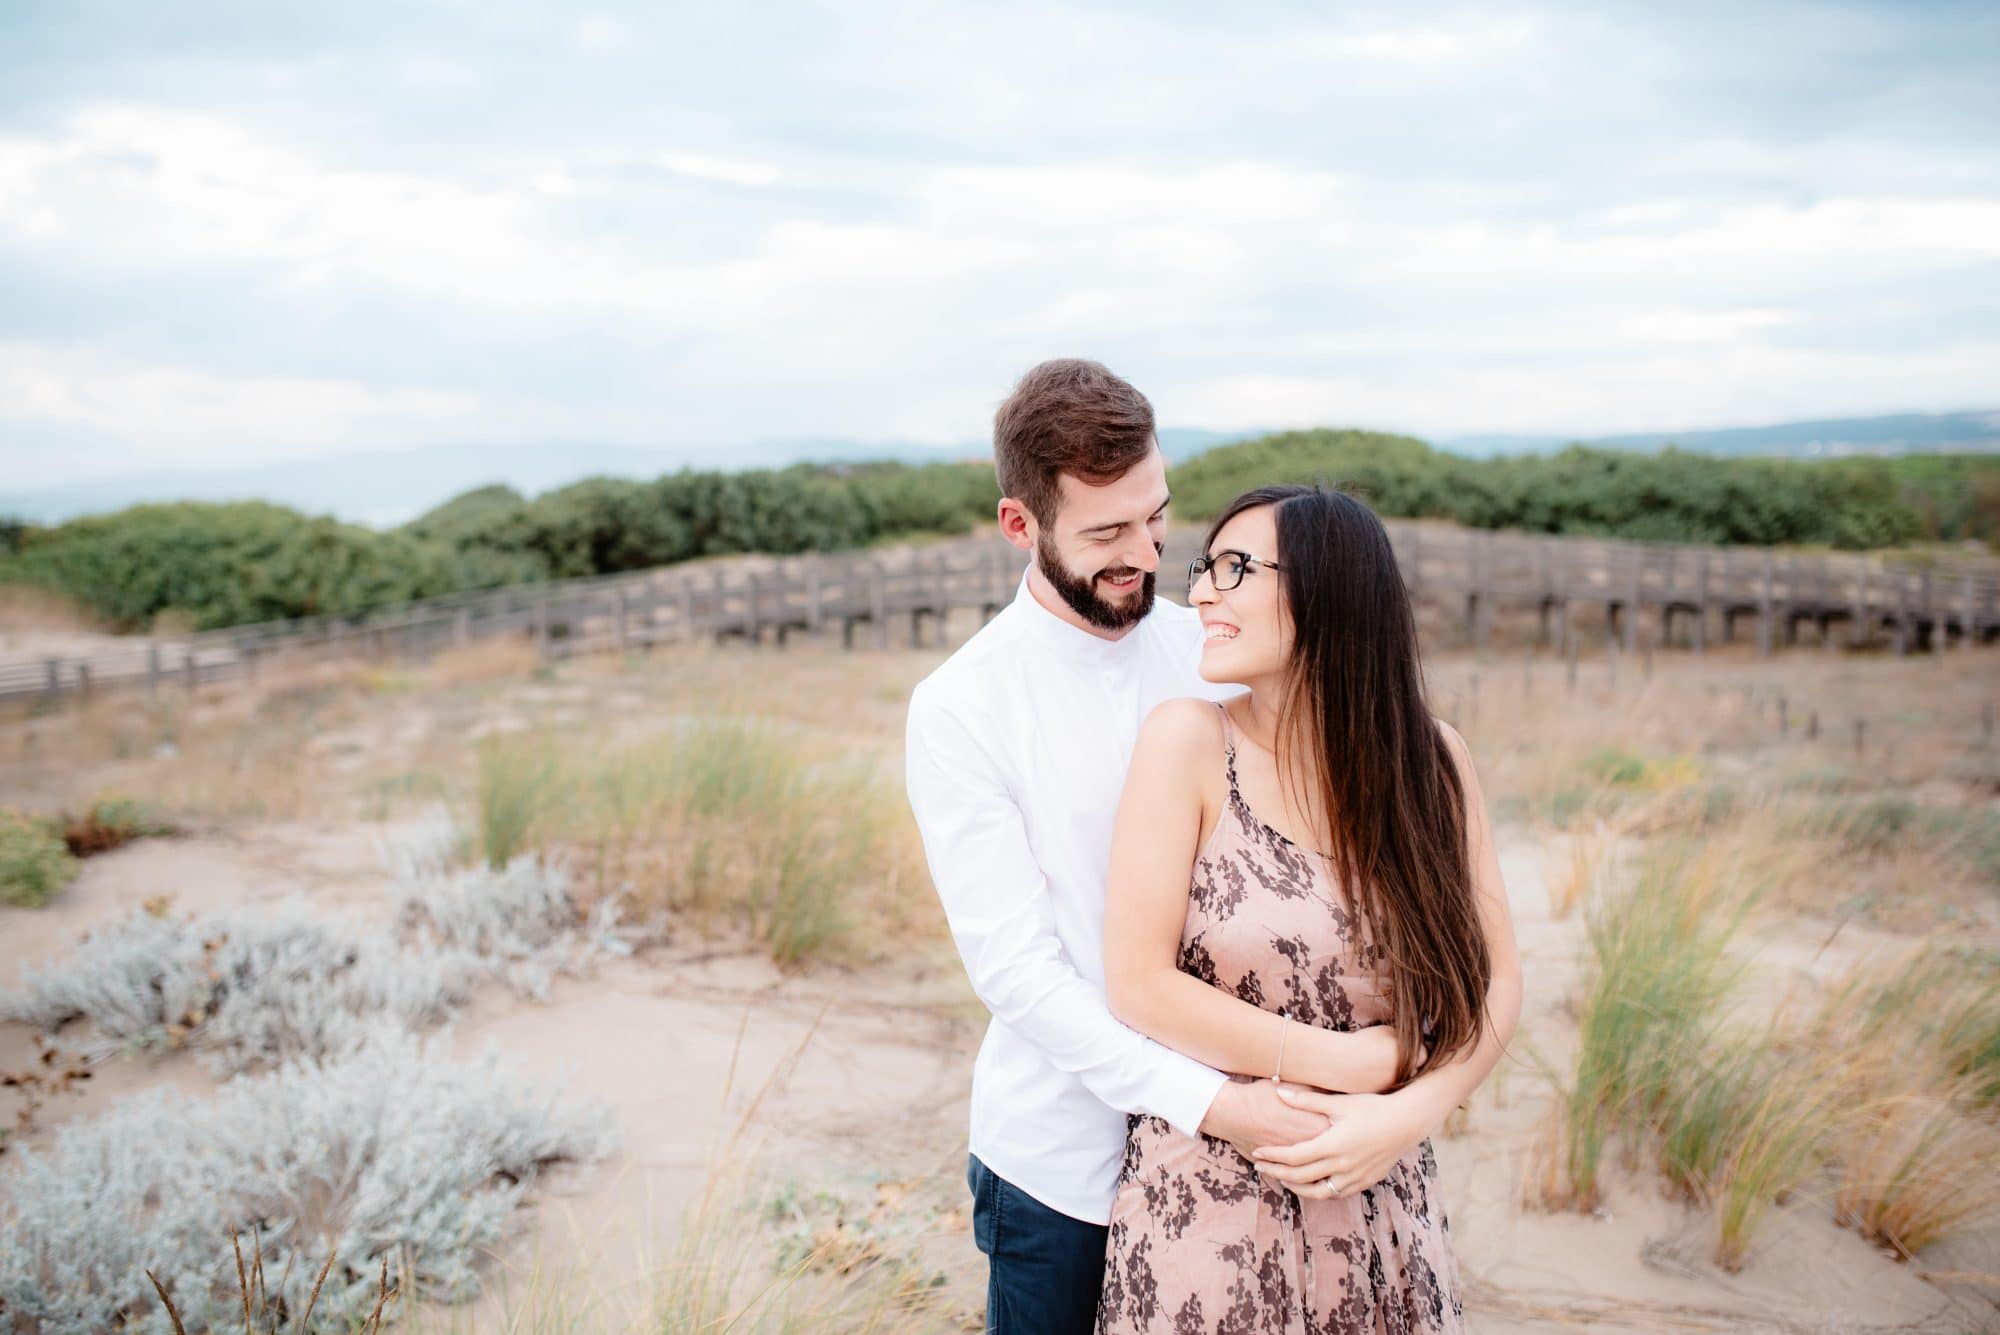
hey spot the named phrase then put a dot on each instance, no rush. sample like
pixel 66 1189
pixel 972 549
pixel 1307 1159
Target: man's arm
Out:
pixel 997 902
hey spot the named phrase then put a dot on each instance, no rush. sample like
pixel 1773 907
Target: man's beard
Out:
pixel 1081 592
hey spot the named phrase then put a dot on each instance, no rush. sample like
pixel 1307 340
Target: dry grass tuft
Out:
pixel 1579 868
pixel 1916 1169
pixel 483 661
pixel 29 607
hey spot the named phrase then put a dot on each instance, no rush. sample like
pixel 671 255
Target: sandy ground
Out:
pixel 844 1078
pixel 1643 1261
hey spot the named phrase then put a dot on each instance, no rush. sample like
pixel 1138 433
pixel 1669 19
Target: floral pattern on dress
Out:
pixel 1199 1242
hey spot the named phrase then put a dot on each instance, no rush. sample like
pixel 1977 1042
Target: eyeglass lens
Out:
pixel 1224 569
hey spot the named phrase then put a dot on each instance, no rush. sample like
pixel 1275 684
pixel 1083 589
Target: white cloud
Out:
pixel 1682 326
pixel 172 415
pixel 727 170
pixel 834 225
pixel 599 32
pixel 1689 387
pixel 1048 198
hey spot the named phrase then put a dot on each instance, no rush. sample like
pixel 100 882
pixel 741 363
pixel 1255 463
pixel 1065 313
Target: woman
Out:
pixel 1303 887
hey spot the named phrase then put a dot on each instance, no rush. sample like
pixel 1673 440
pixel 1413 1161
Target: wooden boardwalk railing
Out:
pixel 1694 593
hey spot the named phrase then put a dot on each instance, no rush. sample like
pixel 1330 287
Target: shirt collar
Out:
pixel 1065 638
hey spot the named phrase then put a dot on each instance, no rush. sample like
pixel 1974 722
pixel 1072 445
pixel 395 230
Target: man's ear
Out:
pixel 1016 524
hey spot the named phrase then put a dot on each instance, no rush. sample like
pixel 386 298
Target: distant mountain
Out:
pixel 1901 433
pixel 385 488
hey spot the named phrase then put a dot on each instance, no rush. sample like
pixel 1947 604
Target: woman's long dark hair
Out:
pixel 1393 799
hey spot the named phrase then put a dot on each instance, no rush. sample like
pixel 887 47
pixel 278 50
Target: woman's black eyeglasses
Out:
pixel 1226 568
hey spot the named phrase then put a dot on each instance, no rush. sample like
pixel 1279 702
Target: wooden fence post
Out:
pixel 878 602
pixel 1930 612
pixel 1634 594
pixel 1765 607
pixel 1701 603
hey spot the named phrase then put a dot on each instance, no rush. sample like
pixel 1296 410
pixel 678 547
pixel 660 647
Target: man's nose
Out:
pixel 1145 557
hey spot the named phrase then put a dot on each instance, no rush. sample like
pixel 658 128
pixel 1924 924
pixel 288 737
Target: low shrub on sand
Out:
pixel 111 822
pixel 34 863
pixel 393 1150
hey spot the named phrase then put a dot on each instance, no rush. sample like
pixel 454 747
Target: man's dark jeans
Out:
pixel 1046 1268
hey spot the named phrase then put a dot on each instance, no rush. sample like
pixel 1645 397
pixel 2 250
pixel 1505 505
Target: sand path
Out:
pixel 855 1076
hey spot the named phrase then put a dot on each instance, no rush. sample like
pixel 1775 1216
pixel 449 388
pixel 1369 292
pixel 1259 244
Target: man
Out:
pixel 1017 749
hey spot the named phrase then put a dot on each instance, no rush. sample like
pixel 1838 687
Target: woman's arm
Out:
pixel 1160 818
pixel 1370 1133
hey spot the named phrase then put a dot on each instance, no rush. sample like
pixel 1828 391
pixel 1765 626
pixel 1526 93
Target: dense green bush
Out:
pixel 1955 496
pixel 1670 496
pixel 226 564
pixel 602 525
pixel 34 864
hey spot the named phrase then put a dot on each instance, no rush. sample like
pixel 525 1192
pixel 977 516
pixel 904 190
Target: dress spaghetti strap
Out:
pixel 1229 752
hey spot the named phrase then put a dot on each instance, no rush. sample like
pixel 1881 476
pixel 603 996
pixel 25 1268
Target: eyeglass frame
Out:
pixel 1206 564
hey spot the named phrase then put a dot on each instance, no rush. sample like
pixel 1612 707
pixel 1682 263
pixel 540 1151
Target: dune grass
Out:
pixel 1659 975
pixel 1885 1076
pixel 1915 1169
pixel 728 820
pixel 520 795
pixel 1920 1149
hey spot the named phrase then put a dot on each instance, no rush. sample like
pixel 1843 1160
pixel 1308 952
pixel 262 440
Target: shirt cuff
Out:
pixel 1186 1092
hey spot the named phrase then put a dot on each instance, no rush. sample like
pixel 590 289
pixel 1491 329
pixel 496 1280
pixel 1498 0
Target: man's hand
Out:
pixel 1366 1135
pixel 1250 1114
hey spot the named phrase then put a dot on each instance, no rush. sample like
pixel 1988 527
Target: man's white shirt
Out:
pixel 1017 749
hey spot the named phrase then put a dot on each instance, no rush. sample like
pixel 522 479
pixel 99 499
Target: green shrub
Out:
pixel 34 863
pixel 109 823
pixel 1669 496
pixel 1610 765
pixel 226 564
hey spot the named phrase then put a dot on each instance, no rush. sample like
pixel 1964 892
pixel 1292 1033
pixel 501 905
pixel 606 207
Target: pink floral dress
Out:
pixel 1199 1242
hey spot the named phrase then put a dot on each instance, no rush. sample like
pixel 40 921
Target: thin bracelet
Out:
pixel 1284 1023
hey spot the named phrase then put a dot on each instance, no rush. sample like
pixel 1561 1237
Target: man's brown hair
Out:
pixel 1067 416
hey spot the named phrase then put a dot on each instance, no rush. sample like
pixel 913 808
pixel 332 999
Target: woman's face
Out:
pixel 1247 630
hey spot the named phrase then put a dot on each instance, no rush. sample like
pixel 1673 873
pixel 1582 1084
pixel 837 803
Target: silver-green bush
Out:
pixel 391 1150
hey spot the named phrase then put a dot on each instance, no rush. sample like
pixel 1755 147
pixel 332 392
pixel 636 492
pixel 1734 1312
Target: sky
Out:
pixel 239 234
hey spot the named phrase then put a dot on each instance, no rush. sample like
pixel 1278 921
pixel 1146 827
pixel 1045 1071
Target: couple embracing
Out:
pixel 1229 891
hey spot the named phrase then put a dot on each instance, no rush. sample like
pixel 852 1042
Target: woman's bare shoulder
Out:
pixel 1185 725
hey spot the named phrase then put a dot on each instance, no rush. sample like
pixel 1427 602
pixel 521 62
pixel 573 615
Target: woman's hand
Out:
pixel 1367 1135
